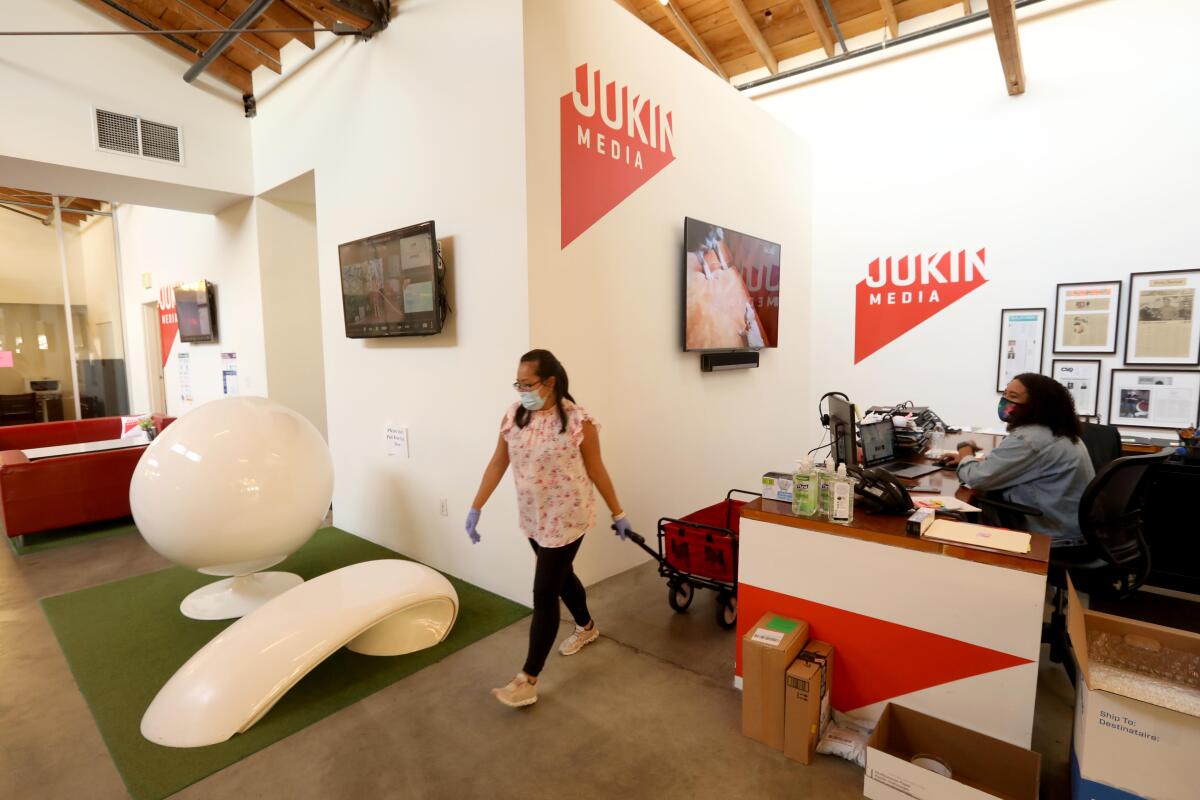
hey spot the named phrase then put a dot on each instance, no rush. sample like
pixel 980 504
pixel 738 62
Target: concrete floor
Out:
pixel 648 711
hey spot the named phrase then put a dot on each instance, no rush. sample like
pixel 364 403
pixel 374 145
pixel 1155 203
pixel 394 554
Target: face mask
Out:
pixel 1005 409
pixel 532 401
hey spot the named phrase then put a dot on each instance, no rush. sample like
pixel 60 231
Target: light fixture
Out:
pixel 665 2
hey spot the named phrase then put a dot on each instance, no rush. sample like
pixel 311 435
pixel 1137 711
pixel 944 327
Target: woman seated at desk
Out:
pixel 1041 463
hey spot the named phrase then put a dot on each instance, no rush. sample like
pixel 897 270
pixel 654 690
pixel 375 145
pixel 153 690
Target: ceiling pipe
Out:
pixel 876 48
pixel 837 30
pixel 244 20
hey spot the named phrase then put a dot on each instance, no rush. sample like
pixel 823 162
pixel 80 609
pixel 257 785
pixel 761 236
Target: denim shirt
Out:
pixel 1034 467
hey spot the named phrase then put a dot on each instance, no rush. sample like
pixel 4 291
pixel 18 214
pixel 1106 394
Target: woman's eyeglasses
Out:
pixel 526 387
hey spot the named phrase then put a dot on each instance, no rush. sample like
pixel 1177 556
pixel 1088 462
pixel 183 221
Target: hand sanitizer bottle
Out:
pixel 843 497
pixel 804 488
pixel 825 476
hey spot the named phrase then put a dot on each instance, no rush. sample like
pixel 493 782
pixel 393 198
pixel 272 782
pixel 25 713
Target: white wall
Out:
pixel 1090 175
pixel 291 312
pixel 175 247
pixel 610 304
pixel 424 122
pixel 30 266
pixel 51 84
pixel 98 290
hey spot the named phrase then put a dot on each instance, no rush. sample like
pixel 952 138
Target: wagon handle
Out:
pixel 729 496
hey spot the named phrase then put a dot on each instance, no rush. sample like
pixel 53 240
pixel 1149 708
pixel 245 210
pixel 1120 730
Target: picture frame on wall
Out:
pixel 1163 320
pixel 1145 398
pixel 1086 317
pixel 1081 377
pixel 1022 336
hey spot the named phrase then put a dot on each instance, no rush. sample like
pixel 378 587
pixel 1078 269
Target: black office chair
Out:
pixel 1115 562
pixel 1103 443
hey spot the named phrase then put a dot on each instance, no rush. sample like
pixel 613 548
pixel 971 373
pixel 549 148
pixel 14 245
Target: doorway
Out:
pixel 154 360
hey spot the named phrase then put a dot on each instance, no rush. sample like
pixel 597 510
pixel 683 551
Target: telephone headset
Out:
pixel 879 492
pixel 824 416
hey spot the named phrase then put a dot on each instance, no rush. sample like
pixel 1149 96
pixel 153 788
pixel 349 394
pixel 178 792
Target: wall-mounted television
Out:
pixel 730 288
pixel 392 284
pixel 196 307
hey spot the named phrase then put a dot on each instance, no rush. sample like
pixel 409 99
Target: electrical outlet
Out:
pixel 445 508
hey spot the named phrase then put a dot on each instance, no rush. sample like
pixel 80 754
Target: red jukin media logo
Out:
pixel 168 320
pixel 611 142
pixel 899 294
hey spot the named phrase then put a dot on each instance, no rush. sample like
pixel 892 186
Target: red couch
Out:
pixel 64 491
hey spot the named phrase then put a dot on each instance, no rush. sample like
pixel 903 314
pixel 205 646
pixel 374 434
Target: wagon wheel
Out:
pixel 726 610
pixel 680 594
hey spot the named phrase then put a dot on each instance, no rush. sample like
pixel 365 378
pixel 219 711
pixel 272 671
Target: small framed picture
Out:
pixel 1082 379
pixel 1162 327
pixel 1022 333
pixel 1164 398
pixel 1085 317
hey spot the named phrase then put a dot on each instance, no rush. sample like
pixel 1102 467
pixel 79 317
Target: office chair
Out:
pixel 1115 562
pixel 1103 443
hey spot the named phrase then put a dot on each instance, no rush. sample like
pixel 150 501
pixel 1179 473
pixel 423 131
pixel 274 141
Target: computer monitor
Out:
pixel 878 442
pixel 841 431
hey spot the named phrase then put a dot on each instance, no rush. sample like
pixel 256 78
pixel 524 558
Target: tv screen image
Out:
pixel 731 289
pixel 391 284
pixel 196 308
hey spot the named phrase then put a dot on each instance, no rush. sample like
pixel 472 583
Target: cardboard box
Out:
pixel 979 766
pixel 806 701
pixel 768 649
pixel 1124 747
pixel 777 486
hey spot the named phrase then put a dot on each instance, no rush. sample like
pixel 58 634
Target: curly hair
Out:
pixel 1049 404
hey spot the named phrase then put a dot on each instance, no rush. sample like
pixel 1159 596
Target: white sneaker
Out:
pixel 577 640
pixel 519 692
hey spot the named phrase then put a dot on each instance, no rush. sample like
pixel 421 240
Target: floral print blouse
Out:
pixel 555 500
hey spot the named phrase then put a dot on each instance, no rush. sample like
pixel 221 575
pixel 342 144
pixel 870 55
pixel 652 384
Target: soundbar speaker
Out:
pixel 718 362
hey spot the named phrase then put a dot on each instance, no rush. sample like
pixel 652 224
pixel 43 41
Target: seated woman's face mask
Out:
pixel 1005 409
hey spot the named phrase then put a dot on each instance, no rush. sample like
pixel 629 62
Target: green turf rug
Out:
pixel 37 542
pixel 124 639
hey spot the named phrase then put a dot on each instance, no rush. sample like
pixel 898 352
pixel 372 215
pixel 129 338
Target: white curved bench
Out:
pixel 377 608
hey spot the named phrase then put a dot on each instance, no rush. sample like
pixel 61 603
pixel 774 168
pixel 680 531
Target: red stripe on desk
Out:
pixel 873 660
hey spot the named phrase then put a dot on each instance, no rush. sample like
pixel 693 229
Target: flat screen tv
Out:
pixel 730 288
pixel 196 307
pixel 392 284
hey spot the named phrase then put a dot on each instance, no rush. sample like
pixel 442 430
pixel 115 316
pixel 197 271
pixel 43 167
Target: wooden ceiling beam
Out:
pixel 692 38
pixel 225 70
pixel 249 45
pixel 966 8
pixel 328 13
pixel 279 15
pixel 755 36
pixel 889 15
pixel 818 24
pixel 1004 25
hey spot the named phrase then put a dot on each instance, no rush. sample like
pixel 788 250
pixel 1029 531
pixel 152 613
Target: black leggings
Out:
pixel 553 578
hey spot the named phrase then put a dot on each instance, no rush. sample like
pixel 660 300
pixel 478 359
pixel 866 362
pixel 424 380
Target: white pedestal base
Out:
pixel 236 597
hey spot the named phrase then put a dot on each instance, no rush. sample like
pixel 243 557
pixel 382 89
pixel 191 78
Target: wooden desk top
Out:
pixel 889 530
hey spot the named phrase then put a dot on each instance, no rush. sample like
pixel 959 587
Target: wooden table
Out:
pixel 950 630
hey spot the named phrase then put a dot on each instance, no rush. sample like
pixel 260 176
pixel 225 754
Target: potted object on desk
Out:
pixel 147 425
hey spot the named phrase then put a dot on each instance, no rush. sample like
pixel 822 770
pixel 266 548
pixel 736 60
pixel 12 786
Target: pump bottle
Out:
pixel 804 488
pixel 843 497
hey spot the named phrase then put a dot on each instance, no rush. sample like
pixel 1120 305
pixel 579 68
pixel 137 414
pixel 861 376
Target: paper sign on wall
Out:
pixel 229 373
pixel 185 378
pixel 612 140
pixel 899 294
pixel 397 441
pixel 6 358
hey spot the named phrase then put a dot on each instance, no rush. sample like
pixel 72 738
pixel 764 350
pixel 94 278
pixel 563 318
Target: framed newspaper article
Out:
pixel 1082 379
pixel 1162 327
pixel 1022 333
pixel 1164 398
pixel 1085 317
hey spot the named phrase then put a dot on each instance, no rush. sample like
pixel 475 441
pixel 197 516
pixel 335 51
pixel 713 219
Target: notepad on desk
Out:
pixel 945 530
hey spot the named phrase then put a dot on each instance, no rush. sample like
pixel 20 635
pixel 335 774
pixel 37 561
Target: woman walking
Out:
pixel 554 449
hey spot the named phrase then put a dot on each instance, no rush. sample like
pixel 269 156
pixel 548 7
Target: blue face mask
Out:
pixel 532 401
pixel 1005 409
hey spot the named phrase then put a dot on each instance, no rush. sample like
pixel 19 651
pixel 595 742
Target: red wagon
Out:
pixel 700 550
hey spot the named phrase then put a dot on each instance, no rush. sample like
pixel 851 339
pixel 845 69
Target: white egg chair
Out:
pixel 231 488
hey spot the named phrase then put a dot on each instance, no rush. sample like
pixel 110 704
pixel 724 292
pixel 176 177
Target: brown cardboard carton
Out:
pixel 768 648
pixel 978 766
pixel 806 701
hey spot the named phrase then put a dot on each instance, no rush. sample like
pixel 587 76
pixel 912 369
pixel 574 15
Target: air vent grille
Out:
pixel 122 133
pixel 160 141
pixel 117 132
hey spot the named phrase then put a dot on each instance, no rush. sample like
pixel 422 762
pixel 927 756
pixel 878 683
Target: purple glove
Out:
pixel 472 521
pixel 621 526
